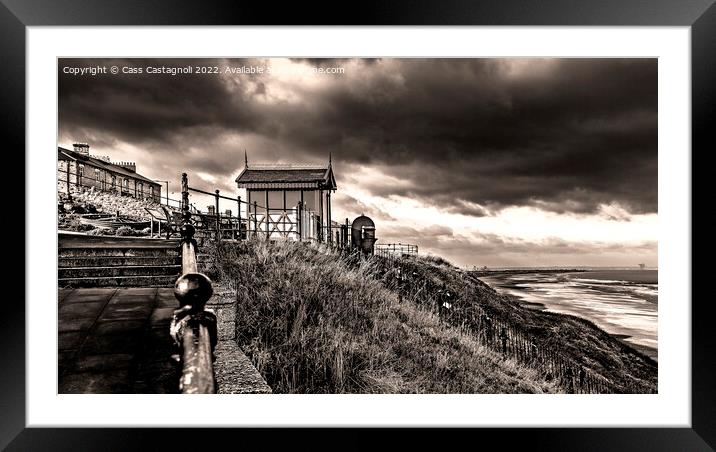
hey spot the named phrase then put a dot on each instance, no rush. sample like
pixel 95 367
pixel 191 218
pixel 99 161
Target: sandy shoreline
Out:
pixel 651 352
pixel 634 276
pixel 530 292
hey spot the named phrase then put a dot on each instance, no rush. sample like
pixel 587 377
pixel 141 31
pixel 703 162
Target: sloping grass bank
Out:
pixel 571 338
pixel 312 323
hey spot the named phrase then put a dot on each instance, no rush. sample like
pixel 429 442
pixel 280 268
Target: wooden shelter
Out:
pixel 279 189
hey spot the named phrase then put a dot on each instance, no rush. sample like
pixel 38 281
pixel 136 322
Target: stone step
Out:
pixel 114 261
pixel 80 240
pixel 119 281
pixel 118 252
pixel 111 272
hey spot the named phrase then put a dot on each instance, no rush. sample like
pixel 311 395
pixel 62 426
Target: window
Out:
pixel 275 199
pixel 258 196
pixel 97 174
pixel 292 198
pixel 81 170
pixel 114 181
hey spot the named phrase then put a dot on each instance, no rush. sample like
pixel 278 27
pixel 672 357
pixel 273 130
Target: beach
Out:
pixel 622 302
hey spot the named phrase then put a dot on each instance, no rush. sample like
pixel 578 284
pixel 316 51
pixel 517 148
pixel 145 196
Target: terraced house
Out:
pixel 77 169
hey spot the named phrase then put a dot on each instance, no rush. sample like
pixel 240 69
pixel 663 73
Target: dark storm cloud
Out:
pixel 150 108
pixel 473 136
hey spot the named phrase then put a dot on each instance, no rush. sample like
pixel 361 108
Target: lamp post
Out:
pixel 167 191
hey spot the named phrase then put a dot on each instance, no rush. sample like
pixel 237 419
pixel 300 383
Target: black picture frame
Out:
pixel 700 15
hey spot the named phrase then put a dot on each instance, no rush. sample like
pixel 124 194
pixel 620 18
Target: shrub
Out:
pixel 125 231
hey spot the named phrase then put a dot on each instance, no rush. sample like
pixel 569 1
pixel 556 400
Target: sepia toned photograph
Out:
pixel 357 225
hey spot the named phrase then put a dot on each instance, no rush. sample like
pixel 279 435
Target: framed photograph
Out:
pixel 409 219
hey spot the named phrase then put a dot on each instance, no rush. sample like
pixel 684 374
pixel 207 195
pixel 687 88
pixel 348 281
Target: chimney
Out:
pixel 81 148
pixel 131 166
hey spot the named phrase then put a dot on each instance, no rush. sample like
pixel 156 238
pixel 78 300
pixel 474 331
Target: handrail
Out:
pixel 193 328
pixel 210 194
pixel 239 200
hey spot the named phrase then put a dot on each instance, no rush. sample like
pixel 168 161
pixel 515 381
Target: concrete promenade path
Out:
pixel 116 340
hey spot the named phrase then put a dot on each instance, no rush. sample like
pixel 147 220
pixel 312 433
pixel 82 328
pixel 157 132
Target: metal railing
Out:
pixel 253 220
pixel 193 328
pixel 396 249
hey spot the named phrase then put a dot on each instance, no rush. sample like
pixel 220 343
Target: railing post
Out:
pixel 329 230
pixel 193 329
pixel 185 196
pixel 349 235
pixel 218 216
pixel 267 217
pixel 69 193
pixel 256 221
pixel 238 216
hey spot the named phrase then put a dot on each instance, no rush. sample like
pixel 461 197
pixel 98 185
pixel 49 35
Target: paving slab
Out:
pixel 71 324
pixel 116 381
pixel 100 363
pixel 65 361
pixel 81 310
pixel 139 295
pixel 115 341
pixel 137 291
pixel 133 311
pixel 88 295
pixel 62 294
pixel 111 327
pixel 167 300
pixel 161 317
pixel 70 341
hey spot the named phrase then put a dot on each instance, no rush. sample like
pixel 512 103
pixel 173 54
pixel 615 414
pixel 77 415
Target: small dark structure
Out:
pixel 363 234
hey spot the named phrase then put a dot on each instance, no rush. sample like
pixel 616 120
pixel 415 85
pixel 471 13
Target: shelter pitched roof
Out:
pixel 321 175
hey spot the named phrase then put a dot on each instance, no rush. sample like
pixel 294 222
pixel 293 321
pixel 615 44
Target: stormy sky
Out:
pixel 497 162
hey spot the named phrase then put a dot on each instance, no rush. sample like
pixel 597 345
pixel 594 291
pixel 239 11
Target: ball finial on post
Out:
pixel 193 289
pixel 187 231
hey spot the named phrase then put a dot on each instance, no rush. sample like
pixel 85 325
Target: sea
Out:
pixel 623 302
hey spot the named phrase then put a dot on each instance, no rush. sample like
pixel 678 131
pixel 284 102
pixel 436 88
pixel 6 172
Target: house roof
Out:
pixel 320 175
pixel 66 154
